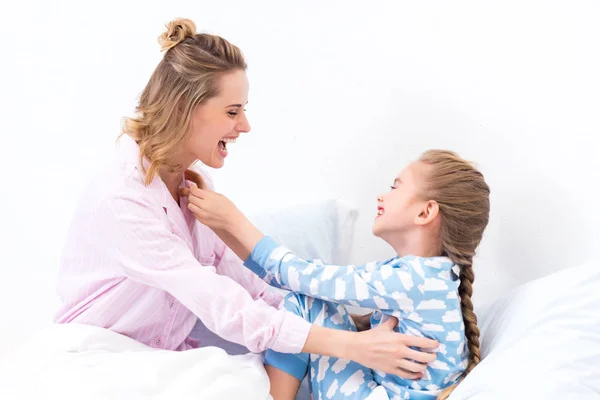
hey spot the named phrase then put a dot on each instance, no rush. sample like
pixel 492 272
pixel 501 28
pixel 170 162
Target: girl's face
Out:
pixel 219 121
pixel 402 209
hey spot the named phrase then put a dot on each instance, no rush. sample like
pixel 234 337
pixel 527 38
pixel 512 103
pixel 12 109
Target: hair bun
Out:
pixel 177 31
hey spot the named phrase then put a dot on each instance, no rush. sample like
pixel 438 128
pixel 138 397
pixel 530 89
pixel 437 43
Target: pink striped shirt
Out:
pixel 138 264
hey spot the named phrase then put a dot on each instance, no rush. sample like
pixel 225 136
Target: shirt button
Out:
pixel 172 304
pixel 158 342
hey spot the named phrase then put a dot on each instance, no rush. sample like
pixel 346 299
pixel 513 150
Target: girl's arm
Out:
pixel 374 285
pixel 381 348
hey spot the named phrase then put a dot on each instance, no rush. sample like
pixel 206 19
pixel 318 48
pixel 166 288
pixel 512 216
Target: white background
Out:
pixel 343 95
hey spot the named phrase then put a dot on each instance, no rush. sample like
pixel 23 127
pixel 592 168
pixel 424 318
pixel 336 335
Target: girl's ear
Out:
pixel 428 213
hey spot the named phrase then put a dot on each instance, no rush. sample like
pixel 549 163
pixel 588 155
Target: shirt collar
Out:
pixel 129 153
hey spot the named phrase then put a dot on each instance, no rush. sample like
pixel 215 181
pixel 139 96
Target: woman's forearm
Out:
pixel 328 342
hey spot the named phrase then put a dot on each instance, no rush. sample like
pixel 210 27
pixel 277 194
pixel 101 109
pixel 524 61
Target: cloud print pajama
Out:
pixel 421 292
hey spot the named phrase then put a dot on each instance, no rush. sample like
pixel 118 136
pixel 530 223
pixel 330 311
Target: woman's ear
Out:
pixel 428 213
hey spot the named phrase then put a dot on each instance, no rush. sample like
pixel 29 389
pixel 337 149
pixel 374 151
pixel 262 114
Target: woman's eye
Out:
pixel 232 113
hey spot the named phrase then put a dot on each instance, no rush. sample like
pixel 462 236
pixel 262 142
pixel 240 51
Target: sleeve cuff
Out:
pixel 257 260
pixel 272 297
pixel 292 335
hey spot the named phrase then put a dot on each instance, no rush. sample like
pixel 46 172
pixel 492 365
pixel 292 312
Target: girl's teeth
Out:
pixel 380 212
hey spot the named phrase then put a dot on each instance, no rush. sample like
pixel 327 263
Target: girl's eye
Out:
pixel 392 187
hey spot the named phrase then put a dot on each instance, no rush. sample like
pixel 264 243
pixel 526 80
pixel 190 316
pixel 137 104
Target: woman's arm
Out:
pixel 381 348
pixel 370 348
pixel 135 238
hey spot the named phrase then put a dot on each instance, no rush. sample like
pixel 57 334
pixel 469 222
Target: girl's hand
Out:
pixel 212 209
pixel 222 216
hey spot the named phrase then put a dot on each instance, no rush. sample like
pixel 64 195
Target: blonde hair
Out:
pixel 187 75
pixel 463 198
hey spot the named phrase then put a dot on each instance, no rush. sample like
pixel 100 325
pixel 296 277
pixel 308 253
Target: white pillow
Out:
pixel 320 230
pixel 541 341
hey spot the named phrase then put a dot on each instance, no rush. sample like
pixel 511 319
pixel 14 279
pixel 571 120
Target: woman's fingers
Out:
pixel 408 375
pixel 411 366
pixel 419 356
pixel 421 342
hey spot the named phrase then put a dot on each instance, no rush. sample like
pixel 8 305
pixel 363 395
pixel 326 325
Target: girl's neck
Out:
pixel 420 244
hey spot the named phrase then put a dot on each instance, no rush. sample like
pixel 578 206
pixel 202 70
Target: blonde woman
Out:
pixel 136 260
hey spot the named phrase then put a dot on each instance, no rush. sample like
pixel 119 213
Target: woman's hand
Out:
pixel 380 348
pixel 384 350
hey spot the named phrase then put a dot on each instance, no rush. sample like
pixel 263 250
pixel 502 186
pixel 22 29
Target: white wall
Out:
pixel 343 94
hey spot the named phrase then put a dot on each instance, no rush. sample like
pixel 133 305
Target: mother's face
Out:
pixel 219 121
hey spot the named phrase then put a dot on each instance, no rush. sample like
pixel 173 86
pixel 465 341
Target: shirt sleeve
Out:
pixel 229 264
pixel 137 237
pixel 377 285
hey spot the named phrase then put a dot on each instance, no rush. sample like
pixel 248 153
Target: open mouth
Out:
pixel 223 143
pixel 379 211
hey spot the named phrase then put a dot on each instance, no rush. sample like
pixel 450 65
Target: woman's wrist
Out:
pixel 329 342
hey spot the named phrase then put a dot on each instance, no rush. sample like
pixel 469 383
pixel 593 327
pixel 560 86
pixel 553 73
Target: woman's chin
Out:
pixel 215 163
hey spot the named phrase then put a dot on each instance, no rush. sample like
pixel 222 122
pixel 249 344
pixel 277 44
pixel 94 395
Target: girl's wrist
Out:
pixel 246 236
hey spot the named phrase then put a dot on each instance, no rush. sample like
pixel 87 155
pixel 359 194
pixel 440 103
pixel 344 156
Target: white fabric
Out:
pixel 541 341
pixel 84 362
pixel 320 230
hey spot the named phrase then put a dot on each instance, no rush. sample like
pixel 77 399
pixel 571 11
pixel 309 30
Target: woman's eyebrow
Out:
pixel 236 105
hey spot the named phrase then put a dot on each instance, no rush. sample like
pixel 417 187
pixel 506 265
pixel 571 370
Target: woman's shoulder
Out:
pixel 118 183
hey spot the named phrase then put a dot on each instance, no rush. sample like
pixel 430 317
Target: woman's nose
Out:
pixel 243 125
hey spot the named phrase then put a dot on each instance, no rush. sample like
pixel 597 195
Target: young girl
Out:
pixel 434 218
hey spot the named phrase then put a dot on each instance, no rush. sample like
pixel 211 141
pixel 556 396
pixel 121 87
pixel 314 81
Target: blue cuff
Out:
pixel 257 259
pixel 292 364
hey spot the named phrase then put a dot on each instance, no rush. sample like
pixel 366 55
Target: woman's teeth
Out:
pixel 223 142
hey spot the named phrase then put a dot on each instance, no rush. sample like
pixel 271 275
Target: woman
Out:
pixel 138 263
